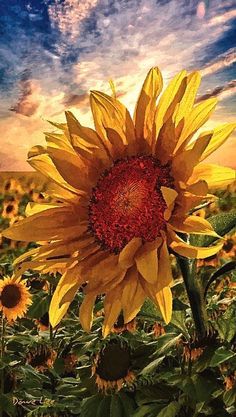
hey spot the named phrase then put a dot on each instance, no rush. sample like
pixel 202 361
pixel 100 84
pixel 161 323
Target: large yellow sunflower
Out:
pixel 15 298
pixel 123 191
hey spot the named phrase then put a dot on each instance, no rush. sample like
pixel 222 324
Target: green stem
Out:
pixel 3 329
pixel 50 326
pixel 195 295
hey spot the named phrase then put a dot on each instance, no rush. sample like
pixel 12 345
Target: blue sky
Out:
pixel 52 52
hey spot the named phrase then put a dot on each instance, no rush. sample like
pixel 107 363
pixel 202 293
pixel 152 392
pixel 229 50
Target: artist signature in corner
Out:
pixel 33 401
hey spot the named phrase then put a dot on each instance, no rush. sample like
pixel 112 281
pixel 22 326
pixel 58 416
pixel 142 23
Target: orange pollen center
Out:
pixel 127 202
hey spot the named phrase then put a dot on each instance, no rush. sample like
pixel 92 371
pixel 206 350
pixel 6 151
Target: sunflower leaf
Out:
pixel 224 269
pixel 222 223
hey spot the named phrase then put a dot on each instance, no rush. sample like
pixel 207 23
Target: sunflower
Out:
pixel 41 357
pixel 112 366
pixel 10 209
pixel 43 322
pixel 123 194
pixel 15 298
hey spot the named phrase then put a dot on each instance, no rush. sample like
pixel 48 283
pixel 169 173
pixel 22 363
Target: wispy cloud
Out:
pixel 87 43
pixel 221 91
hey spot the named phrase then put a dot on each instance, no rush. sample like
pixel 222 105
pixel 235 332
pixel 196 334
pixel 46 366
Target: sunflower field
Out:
pixel 118 265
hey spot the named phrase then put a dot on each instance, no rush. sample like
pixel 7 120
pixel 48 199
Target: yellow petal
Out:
pixel 44 164
pixel 126 256
pixel 133 295
pixel 164 271
pixel 198 116
pixel 169 196
pixel 192 224
pixel 184 162
pixel 168 101
pixel 86 312
pixel 100 264
pixel 219 136
pixel 75 171
pixel 216 176
pixel 146 104
pixel 85 138
pixel 53 223
pixel 187 101
pixel 112 309
pixel 33 208
pixel 189 251
pixel 147 262
pixel 70 280
pixel 164 300
pixel 109 112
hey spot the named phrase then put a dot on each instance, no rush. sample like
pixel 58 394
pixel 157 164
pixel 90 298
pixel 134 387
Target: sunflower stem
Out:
pixel 50 326
pixel 3 330
pixel 195 295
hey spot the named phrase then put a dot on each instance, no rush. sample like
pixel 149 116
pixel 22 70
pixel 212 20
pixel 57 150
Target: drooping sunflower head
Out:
pixel 112 366
pixel 41 357
pixel 43 322
pixel 124 192
pixel 15 298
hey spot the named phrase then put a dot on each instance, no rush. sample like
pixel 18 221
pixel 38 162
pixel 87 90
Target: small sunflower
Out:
pixel 112 366
pixel 15 298
pixel 43 322
pixel 41 357
pixel 123 193
pixel 10 209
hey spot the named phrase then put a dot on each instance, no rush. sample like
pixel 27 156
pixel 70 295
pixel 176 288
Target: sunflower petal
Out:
pixel 169 195
pixel 86 312
pixel 53 223
pixel 112 309
pixel 164 271
pixel 126 256
pixel 198 116
pixel 167 103
pixel 219 136
pixel 44 164
pixel 109 112
pixel 133 295
pixel 164 300
pixel 146 104
pixel 187 101
pixel 193 224
pixel 189 251
pixel 147 261
pixel 185 161
pixel 215 176
pixel 70 280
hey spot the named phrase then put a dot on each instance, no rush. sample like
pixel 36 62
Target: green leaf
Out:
pixel 221 355
pixel 40 306
pixel 222 223
pixel 6 404
pixel 128 404
pixel 225 325
pixel 148 410
pixel 90 406
pixel 229 397
pixel 152 366
pixel 116 409
pixel 171 410
pixel 104 407
pixel 224 269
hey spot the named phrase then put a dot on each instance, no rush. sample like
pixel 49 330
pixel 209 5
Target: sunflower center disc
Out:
pixel 10 296
pixel 114 362
pixel 127 202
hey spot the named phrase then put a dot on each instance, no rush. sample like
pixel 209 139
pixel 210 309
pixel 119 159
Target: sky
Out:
pixel 52 52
